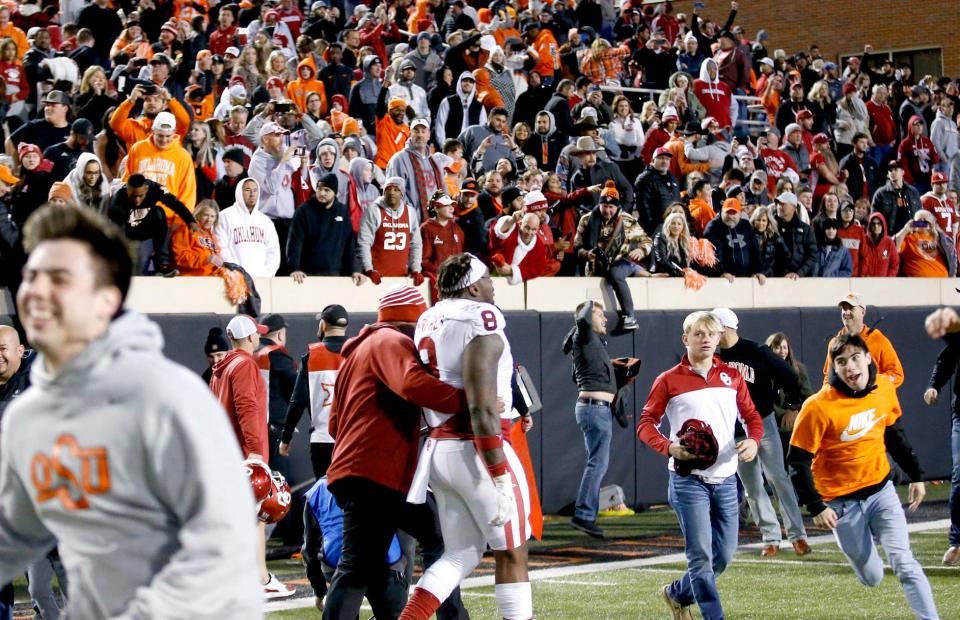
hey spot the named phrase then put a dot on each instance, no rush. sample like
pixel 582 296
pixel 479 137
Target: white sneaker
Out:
pixel 274 588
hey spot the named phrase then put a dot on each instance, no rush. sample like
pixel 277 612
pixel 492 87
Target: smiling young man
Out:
pixel 838 465
pixel 702 398
pixel 150 509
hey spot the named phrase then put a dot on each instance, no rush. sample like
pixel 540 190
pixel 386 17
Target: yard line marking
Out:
pixel 580 583
pixel 480 594
pixel 586 569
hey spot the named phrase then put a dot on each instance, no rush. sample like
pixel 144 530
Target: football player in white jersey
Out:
pixel 479 483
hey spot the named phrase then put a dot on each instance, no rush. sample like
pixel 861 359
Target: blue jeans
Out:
pixel 881 516
pixel 709 519
pixel 770 460
pixel 596 423
pixel 620 270
pixel 955 484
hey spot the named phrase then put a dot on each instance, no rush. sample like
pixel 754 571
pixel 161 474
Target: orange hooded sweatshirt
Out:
pixel 486 93
pixel 192 251
pixel 171 167
pixel 546 46
pixel 12 32
pixel 305 84
pixel 701 212
pixel 132 130
pixel 881 351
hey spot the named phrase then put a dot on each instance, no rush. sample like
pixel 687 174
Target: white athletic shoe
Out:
pixel 274 588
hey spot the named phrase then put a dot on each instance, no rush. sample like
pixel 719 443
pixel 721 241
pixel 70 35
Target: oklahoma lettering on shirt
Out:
pixel 846 437
pixel 248 234
pixel 720 400
pixel 391 245
pixel 157 169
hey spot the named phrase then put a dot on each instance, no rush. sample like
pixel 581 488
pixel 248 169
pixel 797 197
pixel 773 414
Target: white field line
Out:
pixel 559 572
pixel 580 583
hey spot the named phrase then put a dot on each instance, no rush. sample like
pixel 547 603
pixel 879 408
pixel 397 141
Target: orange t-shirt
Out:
pixel 701 212
pixel 920 257
pixel 391 139
pixel 845 435
pixel 881 352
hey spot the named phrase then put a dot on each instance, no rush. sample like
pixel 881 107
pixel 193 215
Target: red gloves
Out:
pixel 374 276
pixel 417 278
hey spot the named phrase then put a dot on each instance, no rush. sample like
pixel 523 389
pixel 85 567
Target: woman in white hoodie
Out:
pixel 246 236
pixel 89 184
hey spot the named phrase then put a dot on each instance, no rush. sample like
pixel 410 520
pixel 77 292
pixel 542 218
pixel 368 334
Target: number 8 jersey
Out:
pixel 443 333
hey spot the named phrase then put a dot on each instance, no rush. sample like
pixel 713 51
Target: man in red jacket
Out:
pixel 442 237
pixel 375 425
pixel 241 390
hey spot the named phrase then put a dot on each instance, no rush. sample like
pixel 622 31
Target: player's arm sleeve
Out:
pixel 648 428
pixel 748 412
pixel 312 551
pixel 23 538
pixel 398 367
pixel 899 447
pixel 299 401
pixel 193 467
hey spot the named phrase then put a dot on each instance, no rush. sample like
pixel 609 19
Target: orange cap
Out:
pixel 732 204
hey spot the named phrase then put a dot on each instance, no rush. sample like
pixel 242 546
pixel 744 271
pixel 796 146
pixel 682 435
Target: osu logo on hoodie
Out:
pixel 70 473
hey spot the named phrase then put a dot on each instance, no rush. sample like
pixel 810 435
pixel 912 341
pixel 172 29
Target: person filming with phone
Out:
pixel 925 251
pixel 156 99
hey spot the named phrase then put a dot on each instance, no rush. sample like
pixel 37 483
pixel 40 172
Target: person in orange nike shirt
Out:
pixel 839 468
pixel 161 158
pixel 852 311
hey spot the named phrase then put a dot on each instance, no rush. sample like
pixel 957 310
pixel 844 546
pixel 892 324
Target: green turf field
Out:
pixel 818 586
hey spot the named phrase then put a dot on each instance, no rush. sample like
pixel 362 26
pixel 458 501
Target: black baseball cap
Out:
pixel 334 314
pixel 82 127
pixel 274 322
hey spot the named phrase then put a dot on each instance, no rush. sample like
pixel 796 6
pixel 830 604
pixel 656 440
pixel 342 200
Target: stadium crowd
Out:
pixel 270 138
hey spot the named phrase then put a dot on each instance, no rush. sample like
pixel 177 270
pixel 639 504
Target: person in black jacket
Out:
pixel 945 367
pixel 137 208
pixel 766 374
pixel 321 241
pixel 798 237
pixel 738 253
pixel 861 170
pixel 655 189
pixel 597 385
pixel 559 106
pixel 532 100
pixel 773 252
pixel 98 17
pixel 896 200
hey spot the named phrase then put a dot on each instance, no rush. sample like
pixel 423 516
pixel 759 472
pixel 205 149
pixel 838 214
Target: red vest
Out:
pixel 535 263
pixel 390 252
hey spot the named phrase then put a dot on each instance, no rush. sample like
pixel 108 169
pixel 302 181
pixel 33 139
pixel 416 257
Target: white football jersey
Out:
pixel 443 333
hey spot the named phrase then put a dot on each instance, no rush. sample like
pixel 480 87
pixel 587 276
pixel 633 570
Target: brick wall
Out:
pixel 843 27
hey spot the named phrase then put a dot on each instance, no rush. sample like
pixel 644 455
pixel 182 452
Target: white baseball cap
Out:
pixel 232 50
pixel 270 128
pixel 165 121
pixel 787 198
pixel 727 317
pixel 419 121
pixel 242 326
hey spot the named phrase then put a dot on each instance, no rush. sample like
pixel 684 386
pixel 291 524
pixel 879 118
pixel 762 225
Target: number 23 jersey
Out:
pixel 443 333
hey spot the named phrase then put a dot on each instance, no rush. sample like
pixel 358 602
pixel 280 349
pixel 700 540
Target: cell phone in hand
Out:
pixel 300 151
pixel 699 5
pixel 921 224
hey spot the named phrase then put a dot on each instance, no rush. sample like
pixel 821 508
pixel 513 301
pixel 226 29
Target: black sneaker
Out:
pixel 168 272
pixel 587 527
pixel 628 323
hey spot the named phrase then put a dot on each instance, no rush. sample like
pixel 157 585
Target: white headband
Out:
pixel 477 271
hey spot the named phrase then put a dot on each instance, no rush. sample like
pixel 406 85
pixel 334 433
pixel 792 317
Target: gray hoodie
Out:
pixel 343 179
pixel 367 193
pixel 128 462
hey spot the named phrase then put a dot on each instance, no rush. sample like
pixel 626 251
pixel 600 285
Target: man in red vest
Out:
pixel 314 388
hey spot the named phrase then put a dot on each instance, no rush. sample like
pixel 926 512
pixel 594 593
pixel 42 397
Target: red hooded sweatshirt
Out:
pixel 918 155
pixel 375 420
pixel 852 238
pixel 878 259
pixel 240 388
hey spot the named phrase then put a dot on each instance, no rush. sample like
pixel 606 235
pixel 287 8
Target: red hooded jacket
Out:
pixel 375 420
pixel 918 155
pixel 853 238
pixel 881 259
pixel 240 388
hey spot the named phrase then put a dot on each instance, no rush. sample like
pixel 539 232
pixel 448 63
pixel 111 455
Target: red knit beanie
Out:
pixel 401 303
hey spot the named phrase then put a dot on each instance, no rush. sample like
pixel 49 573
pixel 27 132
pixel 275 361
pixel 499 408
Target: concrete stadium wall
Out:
pixel 556 442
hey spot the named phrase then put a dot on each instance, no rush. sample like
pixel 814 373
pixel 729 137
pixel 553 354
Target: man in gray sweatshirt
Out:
pixel 122 456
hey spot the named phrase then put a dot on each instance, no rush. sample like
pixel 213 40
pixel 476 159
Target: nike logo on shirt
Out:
pixel 859 425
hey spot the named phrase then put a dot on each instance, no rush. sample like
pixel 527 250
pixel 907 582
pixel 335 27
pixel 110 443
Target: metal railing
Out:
pixel 756 114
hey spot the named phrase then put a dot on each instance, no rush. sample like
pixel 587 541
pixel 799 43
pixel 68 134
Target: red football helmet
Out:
pixel 260 480
pixel 277 504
